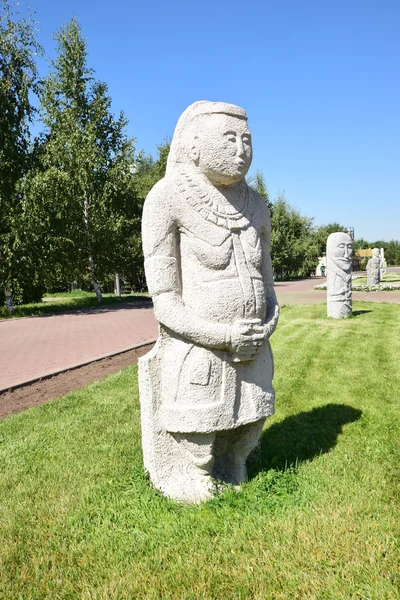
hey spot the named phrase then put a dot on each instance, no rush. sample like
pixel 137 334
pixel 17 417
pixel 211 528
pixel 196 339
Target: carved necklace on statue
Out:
pixel 212 204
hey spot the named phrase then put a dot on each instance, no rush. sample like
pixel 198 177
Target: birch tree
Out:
pixel 18 83
pixel 84 183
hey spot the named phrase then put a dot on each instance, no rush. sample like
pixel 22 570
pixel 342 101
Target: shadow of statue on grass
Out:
pixel 301 437
pixel 358 313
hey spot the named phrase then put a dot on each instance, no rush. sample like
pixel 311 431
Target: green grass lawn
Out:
pixel 387 278
pixel 72 294
pixel 58 303
pixel 318 518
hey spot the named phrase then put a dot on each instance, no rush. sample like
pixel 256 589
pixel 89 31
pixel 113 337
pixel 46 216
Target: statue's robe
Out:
pixel 213 263
pixel 340 290
pixel 373 271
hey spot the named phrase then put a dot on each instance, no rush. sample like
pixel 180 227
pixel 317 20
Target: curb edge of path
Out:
pixel 76 366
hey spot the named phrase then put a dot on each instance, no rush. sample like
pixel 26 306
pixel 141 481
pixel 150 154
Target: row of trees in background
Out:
pixel 71 198
pixel 296 243
pixel 18 82
pixel 392 249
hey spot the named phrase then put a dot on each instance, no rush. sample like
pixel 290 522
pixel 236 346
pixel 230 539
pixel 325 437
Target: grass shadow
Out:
pixel 302 437
pixel 357 313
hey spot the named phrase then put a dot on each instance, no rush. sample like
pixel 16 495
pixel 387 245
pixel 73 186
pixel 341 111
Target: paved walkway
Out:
pixel 36 347
pixel 39 346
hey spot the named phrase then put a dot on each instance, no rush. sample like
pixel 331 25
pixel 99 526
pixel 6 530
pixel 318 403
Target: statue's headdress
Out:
pixel 185 130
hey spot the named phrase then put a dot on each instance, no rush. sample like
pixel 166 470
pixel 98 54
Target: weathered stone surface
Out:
pixel 339 252
pixel 374 268
pixel 206 387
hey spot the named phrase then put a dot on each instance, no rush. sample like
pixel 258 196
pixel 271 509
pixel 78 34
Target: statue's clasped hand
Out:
pixel 272 321
pixel 247 337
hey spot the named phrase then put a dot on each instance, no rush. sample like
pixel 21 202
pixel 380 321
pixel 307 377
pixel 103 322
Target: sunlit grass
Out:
pixel 72 294
pixel 318 518
pixel 387 278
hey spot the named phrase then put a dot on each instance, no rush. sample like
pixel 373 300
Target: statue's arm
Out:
pixel 160 235
pixel 272 316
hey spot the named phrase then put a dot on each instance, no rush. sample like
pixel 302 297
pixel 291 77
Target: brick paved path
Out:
pixel 40 346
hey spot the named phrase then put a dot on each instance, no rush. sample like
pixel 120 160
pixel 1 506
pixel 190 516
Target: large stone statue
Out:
pixel 206 386
pixel 374 268
pixel 339 253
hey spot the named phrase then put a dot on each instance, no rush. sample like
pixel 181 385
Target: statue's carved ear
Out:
pixel 194 152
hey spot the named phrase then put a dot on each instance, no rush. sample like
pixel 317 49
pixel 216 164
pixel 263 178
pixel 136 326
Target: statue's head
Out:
pixel 214 139
pixel 375 252
pixel 339 249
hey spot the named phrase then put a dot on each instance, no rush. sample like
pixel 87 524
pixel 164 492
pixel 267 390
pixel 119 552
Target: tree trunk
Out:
pixel 96 286
pixel 117 285
pixel 94 280
pixel 9 300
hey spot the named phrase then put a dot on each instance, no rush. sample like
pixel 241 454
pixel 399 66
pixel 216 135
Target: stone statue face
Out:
pixel 375 252
pixel 223 149
pixel 340 250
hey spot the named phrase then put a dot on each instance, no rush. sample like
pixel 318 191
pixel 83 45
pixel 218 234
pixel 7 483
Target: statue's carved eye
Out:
pixel 246 140
pixel 230 136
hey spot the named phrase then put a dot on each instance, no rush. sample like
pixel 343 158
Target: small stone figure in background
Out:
pixel 374 268
pixel 206 386
pixel 382 261
pixel 339 253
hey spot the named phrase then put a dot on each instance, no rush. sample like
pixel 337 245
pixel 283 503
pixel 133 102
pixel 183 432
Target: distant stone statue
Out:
pixel 206 386
pixel 374 268
pixel 339 253
pixel 382 262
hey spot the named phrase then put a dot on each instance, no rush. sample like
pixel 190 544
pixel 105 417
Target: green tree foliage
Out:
pixel 294 248
pixel 148 172
pixel 257 182
pixel 83 189
pixel 322 233
pixel 392 250
pixel 18 84
pixel 294 242
pixel 361 244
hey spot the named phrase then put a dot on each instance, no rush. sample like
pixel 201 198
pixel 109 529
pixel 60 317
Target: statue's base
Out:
pixel 189 467
pixel 339 310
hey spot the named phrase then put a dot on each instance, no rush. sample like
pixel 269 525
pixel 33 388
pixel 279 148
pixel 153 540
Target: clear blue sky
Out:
pixel 320 82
